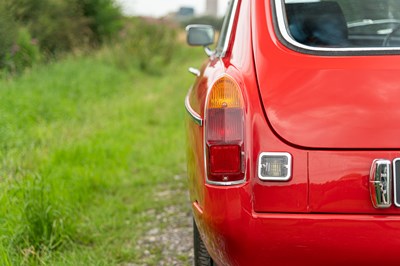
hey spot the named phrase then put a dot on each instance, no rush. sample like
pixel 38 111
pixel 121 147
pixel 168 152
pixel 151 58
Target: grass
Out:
pixel 85 143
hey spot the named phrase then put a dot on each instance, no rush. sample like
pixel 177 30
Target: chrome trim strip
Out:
pixel 194 71
pixel 230 27
pixel 289 174
pixel 209 52
pixel 380 183
pixel 396 200
pixel 239 182
pixel 279 6
pixel 195 116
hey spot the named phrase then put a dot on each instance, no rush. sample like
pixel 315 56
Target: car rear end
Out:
pixel 312 175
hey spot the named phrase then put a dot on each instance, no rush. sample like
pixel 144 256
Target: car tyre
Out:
pixel 201 255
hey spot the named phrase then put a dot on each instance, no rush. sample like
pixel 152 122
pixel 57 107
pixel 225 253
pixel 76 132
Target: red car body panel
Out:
pixel 339 182
pixel 324 101
pixel 236 236
pixel 322 111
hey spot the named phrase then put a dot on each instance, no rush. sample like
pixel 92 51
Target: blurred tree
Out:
pixel 64 25
pixel 104 18
pixel 8 32
pixel 24 53
pixel 57 25
pixel 150 43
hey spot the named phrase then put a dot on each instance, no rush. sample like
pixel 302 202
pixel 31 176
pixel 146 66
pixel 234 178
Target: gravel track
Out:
pixel 169 238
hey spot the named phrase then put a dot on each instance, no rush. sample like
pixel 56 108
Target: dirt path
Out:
pixel 168 240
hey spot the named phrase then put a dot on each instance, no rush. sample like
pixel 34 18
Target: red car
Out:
pixel 294 134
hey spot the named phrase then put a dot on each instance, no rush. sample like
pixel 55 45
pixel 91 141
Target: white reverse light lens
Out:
pixel 275 166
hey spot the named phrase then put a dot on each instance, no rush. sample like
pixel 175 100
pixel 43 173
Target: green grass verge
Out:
pixel 84 145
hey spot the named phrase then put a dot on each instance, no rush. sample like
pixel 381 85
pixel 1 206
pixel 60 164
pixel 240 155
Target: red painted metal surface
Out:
pixel 236 236
pixel 326 101
pixel 334 115
pixel 339 182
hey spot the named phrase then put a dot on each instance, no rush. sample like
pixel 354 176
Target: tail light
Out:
pixel 224 133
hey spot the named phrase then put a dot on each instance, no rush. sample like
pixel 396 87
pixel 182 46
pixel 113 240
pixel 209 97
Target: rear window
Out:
pixel 340 24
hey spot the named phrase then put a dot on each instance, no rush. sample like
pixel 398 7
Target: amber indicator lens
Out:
pixel 225 94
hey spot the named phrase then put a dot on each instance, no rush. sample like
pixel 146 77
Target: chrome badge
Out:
pixel 380 183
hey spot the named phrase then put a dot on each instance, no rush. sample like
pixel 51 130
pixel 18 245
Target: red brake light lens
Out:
pixel 224 133
pixel 225 159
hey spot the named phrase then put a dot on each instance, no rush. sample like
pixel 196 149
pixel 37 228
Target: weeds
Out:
pixel 148 44
pixel 84 147
pixel 45 220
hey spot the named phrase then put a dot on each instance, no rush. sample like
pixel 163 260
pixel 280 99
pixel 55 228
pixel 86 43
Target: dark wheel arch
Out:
pixel 201 255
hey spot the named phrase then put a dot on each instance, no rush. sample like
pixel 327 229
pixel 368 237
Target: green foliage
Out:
pixel 8 33
pixel 150 44
pixel 44 219
pixel 104 18
pixel 64 25
pixel 36 220
pixel 18 50
pixel 24 53
pixel 40 30
pixel 84 145
pixel 59 26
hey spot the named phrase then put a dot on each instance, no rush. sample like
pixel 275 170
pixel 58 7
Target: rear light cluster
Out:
pixel 224 133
